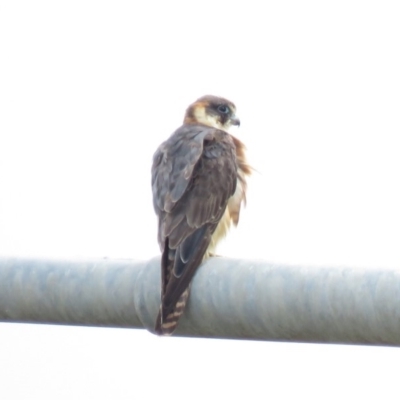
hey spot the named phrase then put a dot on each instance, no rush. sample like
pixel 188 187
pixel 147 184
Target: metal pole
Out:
pixel 238 299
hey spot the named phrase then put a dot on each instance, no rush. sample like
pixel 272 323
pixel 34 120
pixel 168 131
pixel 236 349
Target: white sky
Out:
pixel 88 90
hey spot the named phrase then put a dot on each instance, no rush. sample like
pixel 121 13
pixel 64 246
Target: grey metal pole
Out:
pixel 230 298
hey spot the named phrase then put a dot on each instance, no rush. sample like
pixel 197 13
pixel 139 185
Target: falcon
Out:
pixel 198 183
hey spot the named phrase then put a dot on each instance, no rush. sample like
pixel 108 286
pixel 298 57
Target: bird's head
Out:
pixel 213 111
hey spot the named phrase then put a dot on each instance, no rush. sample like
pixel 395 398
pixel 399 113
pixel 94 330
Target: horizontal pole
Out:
pixel 237 299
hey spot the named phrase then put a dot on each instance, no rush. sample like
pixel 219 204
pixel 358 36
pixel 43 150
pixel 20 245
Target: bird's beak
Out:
pixel 235 121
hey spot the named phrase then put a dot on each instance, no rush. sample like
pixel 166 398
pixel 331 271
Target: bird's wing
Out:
pixel 194 174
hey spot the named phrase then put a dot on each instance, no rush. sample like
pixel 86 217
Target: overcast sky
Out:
pixel 88 90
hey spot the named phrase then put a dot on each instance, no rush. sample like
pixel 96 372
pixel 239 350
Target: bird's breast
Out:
pixel 230 215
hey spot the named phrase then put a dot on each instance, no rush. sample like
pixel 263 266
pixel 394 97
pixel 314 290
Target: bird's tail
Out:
pixel 167 324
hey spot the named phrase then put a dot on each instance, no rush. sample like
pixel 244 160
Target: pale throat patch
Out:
pixel 210 120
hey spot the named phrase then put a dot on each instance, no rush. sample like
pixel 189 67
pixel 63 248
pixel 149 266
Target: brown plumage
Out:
pixel 198 183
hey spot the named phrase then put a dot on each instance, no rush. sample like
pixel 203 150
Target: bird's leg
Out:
pixel 213 255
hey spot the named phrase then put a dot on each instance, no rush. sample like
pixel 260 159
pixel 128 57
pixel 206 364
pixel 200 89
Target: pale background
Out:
pixel 87 92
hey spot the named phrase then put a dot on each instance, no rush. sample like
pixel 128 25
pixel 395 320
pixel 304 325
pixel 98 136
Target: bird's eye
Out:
pixel 223 109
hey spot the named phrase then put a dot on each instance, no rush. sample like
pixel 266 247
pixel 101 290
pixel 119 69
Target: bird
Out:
pixel 198 179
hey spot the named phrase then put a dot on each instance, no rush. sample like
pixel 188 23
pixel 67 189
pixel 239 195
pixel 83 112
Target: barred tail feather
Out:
pixel 166 325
